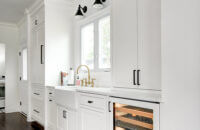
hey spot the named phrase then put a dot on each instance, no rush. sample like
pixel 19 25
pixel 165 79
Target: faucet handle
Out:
pixel 92 83
pixel 86 83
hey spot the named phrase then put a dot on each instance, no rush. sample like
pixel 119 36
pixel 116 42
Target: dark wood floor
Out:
pixel 14 121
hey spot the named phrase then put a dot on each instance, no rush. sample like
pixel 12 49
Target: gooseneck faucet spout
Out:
pixel 88 80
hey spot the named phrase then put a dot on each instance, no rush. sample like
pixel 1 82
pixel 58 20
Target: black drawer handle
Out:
pixel 41 55
pixel 90 102
pixel 36 111
pixel 36 94
pixel 138 77
pixel 36 22
pixel 134 83
pixel 64 114
pixel 50 100
pixel 109 107
pixel 50 93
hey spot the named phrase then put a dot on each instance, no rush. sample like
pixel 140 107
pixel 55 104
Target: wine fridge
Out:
pixel 133 115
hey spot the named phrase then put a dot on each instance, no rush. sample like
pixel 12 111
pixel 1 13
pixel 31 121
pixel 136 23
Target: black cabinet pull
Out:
pixel 36 22
pixel 134 83
pixel 109 108
pixel 138 77
pixel 50 100
pixel 50 93
pixel 41 55
pixel 36 111
pixel 36 94
pixel 90 102
pixel 64 114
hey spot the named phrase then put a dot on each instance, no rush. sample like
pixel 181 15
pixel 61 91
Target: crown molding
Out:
pixel 21 21
pixel 10 25
pixel 34 7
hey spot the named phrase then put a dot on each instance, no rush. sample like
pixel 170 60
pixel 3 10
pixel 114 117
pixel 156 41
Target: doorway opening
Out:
pixel 2 77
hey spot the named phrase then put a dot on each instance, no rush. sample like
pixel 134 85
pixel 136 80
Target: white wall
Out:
pixel 181 65
pixel 9 36
pixel 2 59
pixel 59 41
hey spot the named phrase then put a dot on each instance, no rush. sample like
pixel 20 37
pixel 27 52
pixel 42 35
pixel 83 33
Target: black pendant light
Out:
pixel 80 12
pixel 98 4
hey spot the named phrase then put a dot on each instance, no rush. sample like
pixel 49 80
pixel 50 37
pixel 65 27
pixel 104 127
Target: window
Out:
pixel 24 64
pixel 87 40
pixel 95 44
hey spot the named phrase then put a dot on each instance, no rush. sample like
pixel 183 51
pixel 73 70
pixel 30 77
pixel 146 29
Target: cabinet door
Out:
pixel 62 121
pixel 38 40
pixel 149 46
pixel 33 57
pixel 125 42
pixel 92 120
pixel 51 113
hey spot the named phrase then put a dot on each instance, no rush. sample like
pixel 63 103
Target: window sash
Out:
pixel 96 44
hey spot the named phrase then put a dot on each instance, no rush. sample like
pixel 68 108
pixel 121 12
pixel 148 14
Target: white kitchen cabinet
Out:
pixel 66 119
pixel 50 40
pixel 136 41
pixel 38 103
pixel 92 112
pixel 92 119
pixel 125 41
pixel 51 109
pixel 51 27
pixel 37 52
pixel 37 111
pixel 62 121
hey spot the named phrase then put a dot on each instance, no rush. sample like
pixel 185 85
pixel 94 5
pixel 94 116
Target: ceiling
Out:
pixel 11 11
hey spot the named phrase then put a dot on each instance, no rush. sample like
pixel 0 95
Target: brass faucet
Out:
pixel 87 81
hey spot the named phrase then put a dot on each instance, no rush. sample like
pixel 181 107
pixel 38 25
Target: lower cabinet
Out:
pixel 92 112
pixel 37 103
pixel 51 110
pixel 92 119
pixel 66 119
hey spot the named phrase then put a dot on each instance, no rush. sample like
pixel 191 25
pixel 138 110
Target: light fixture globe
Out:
pixel 98 4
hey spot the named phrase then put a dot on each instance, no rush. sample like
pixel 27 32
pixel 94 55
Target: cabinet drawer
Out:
pixel 37 110
pixel 91 100
pixel 38 92
pixel 50 92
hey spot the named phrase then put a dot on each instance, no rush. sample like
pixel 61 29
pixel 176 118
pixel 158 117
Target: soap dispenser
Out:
pixel 71 80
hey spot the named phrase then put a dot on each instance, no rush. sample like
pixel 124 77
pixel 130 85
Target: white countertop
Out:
pixel 146 95
pixel 135 94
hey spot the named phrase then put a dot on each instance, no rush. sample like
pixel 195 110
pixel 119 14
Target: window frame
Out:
pixel 95 20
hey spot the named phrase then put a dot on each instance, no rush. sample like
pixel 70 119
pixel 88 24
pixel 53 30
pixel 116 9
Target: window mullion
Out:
pixel 96 45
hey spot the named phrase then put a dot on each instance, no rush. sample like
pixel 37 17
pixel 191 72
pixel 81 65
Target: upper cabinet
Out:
pixel 51 26
pixel 136 41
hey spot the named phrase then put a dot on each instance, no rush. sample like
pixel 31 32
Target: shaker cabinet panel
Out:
pixel 92 120
pixel 37 54
pixel 124 31
pixel 149 44
pixel 136 43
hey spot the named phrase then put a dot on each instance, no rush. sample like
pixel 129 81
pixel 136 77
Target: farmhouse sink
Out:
pixel 66 96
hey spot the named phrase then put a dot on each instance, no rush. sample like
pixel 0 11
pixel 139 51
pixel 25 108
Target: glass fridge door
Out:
pixel 128 117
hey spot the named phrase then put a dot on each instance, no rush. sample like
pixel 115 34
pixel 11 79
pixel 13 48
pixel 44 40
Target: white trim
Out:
pixel 21 21
pixel 9 25
pixel 35 7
